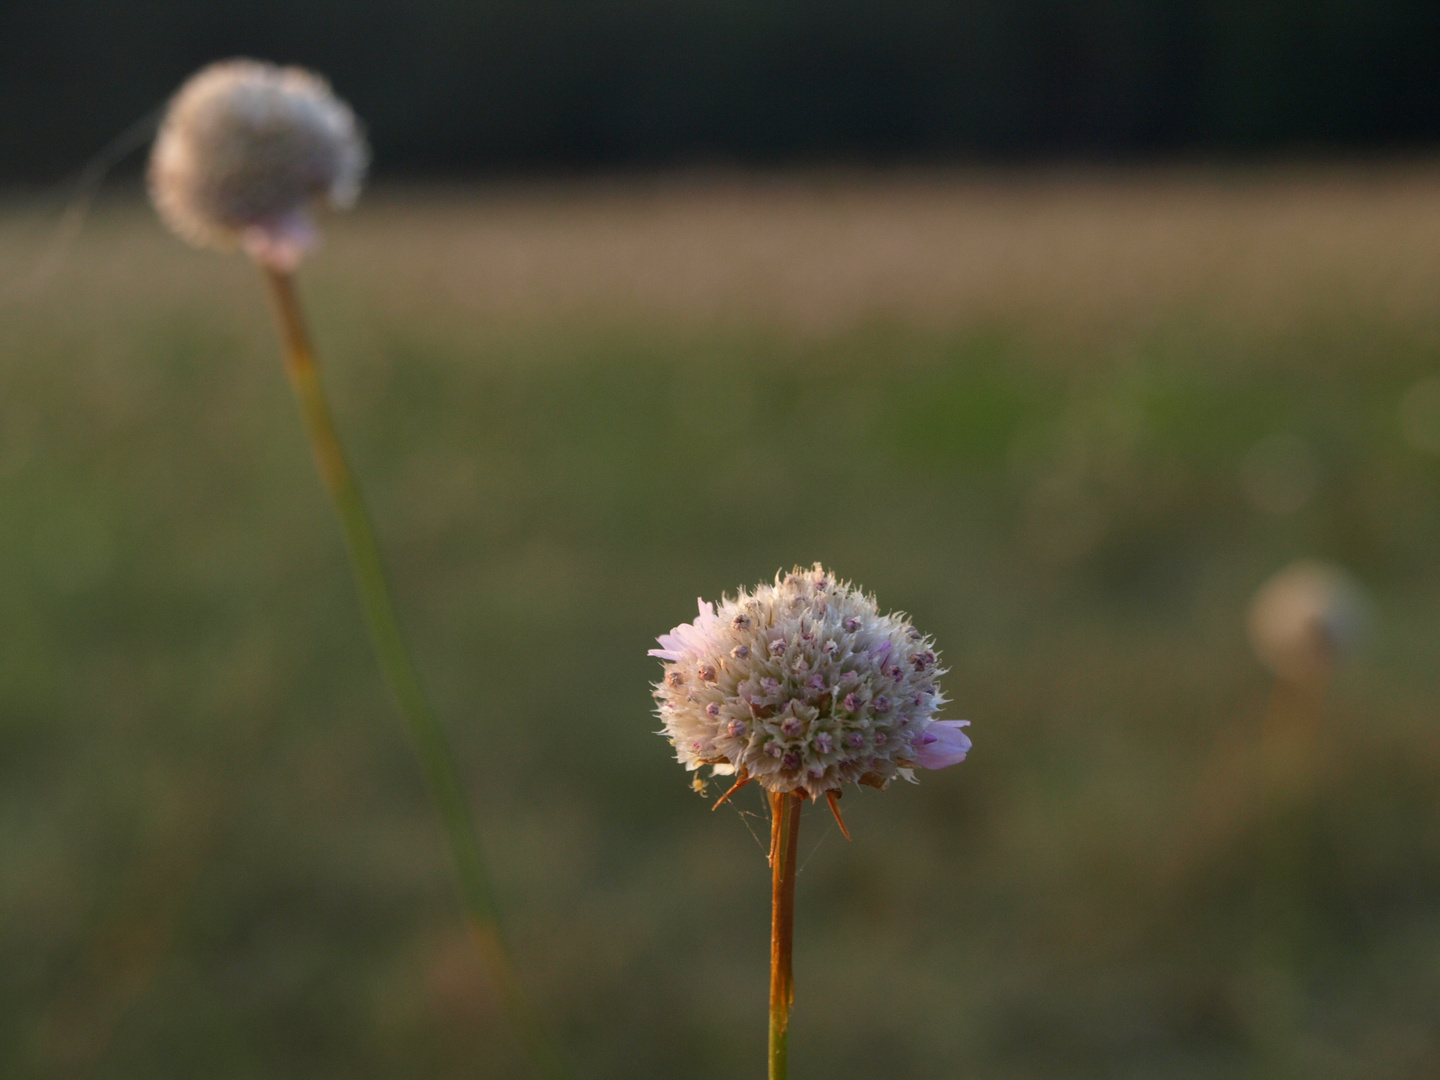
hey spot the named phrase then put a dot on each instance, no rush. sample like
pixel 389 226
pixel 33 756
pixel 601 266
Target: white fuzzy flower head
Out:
pixel 245 149
pixel 804 686
pixel 1304 618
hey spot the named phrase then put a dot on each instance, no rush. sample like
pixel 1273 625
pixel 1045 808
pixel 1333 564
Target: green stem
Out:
pixel 784 849
pixel 436 761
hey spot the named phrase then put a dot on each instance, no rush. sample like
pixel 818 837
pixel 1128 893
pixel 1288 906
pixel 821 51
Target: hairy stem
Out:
pixel 436 760
pixel 784 834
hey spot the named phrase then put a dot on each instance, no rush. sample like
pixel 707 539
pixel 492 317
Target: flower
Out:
pixel 804 686
pixel 943 745
pixel 1304 618
pixel 244 150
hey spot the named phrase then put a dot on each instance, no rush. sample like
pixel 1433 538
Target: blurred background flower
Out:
pixel 244 152
pixel 1304 619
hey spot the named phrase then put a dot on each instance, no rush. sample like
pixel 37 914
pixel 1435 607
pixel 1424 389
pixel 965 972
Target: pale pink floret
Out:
pixel 691 637
pixel 283 243
pixel 943 744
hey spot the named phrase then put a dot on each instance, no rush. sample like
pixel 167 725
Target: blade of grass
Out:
pixel 436 760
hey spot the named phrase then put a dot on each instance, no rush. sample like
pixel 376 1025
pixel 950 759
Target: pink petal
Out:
pixel 949 745
pixel 281 244
pixel 691 637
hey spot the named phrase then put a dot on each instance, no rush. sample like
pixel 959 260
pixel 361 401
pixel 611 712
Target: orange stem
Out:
pixel 784 859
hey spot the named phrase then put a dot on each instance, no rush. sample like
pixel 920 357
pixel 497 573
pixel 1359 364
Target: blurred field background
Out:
pixel 1069 419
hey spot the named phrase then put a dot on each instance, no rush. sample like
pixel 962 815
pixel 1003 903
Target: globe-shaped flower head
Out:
pixel 245 149
pixel 804 686
pixel 1305 618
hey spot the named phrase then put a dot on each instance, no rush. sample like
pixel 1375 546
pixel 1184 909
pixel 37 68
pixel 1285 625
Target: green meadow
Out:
pixel 1068 421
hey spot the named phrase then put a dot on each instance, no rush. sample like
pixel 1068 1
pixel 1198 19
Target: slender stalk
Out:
pixel 436 761
pixel 1289 757
pixel 784 847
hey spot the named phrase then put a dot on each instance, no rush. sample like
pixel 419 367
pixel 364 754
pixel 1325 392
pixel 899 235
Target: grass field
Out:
pixel 1069 421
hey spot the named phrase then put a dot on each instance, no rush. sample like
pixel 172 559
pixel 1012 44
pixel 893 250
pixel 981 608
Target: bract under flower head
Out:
pixel 244 150
pixel 804 686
